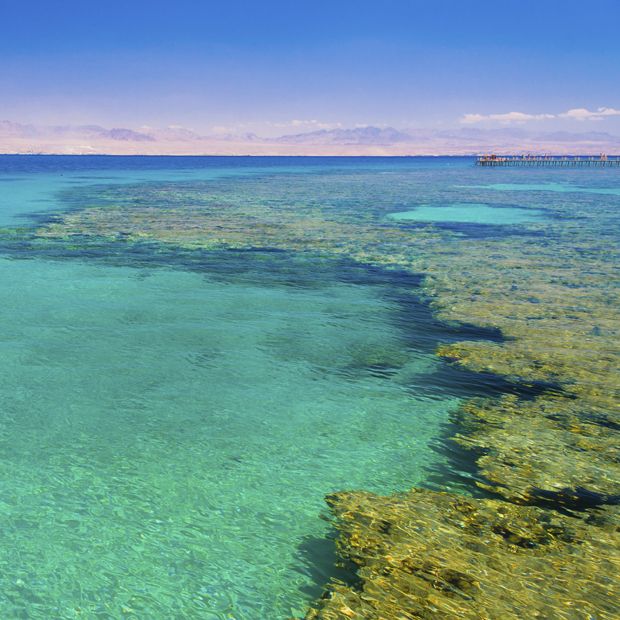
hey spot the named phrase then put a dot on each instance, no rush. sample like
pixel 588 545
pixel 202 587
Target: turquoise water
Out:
pixel 167 439
pixel 473 213
pixel 170 421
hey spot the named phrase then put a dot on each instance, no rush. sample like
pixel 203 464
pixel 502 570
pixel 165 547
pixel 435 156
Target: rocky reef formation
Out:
pixel 433 555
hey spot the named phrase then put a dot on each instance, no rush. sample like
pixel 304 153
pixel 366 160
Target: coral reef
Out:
pixel 433 555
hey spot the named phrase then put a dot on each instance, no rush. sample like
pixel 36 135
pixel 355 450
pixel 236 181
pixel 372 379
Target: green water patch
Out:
pixel 472 213
pixel 168 435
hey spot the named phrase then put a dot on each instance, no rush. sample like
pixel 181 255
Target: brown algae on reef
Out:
pixel 425 554
pixel 547 545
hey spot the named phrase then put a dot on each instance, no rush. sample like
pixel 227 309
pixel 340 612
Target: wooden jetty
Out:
pixel 549 161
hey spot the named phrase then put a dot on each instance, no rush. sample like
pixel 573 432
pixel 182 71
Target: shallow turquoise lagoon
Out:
pixel 167 437
pixel 473 213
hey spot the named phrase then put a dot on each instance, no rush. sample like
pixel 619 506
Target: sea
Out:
pixel 172 416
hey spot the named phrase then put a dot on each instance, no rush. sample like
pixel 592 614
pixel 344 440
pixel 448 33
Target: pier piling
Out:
pixel 549 161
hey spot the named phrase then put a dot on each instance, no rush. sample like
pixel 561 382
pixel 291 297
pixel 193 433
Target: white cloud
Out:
pixel 472 118
pixel 507 117
pixel 579 114
pixel 583 114
pixel 305 124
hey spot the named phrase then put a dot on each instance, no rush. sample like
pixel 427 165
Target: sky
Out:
pixel 277 67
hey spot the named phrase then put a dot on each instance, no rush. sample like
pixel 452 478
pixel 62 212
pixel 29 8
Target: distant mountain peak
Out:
pixel 120 133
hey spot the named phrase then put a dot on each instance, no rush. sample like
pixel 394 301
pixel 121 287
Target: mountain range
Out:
pixel 368 140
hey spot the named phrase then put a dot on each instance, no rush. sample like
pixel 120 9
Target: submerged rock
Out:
pixel 433 555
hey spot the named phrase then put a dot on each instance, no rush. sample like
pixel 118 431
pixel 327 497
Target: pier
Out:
pixel 549 161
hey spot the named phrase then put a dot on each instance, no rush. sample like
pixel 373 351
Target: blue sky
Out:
pixel 273 67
